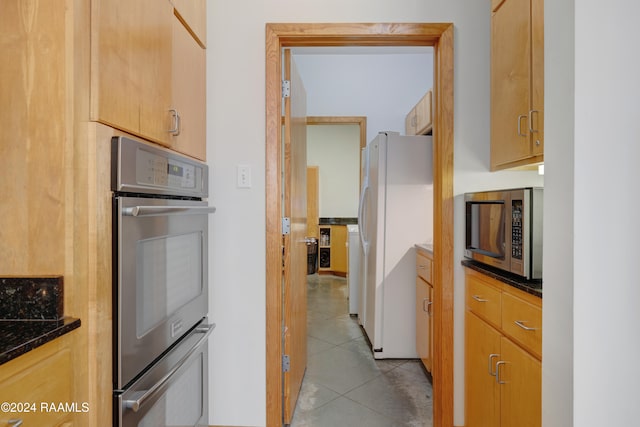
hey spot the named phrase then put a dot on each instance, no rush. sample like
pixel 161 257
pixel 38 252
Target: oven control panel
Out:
pixel 143 168
pixel 153 169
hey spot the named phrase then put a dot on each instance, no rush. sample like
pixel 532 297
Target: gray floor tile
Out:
pixel 341 412
pixel 343 385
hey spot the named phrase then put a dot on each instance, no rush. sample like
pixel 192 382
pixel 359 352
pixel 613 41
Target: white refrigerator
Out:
pixel 395 213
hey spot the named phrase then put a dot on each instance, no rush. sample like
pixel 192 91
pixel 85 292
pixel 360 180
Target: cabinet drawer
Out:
pixel 522 321
pixel 42 379
pixel 484 300
pixel 424 267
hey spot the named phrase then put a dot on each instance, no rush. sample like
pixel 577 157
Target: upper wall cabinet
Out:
pixel 148 74
pixel 419 121
pixel 131 66
pixel 517 83
pixel 193 15
pixel 189 90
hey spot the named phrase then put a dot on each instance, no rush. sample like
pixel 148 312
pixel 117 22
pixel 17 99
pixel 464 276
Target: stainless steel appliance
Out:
pixel 504 230
pixel 160 298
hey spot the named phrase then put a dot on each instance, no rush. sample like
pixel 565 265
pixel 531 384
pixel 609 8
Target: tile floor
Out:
pixel 344 385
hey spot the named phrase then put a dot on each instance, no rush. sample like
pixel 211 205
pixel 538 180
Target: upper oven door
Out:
pixel 161 277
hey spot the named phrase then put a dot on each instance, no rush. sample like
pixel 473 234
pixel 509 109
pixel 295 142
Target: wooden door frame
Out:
pixel 440 36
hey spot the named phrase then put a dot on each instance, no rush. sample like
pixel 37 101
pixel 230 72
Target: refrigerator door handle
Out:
pixel 361 213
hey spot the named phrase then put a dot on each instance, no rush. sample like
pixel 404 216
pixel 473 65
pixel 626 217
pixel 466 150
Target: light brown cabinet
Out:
pixel 419 121
pixel 149 74
pixel 189 93
pixel 332 250
pixel 37 383
pixel 424 309
pixel 131 80
pixel 503 340
pixel 517 83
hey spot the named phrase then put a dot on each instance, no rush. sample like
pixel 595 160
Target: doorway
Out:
pixel 440 36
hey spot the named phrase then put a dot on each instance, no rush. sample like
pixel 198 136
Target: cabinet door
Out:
pixel 189 91
pixel 410 122
pixel 537 76
pixel 510 82
pixel 131 66
pixel 521 388
pixel 482 394
pixel 424 325
pixel 423 115
pixel 38 382
pixel 339 248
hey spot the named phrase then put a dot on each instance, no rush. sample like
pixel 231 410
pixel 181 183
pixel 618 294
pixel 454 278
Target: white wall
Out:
pixel 557 317
pixel 592 286
pixel 383 87
pixel 335 149
pixel 235 132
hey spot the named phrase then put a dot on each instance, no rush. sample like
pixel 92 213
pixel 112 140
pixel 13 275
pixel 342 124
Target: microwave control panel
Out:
pixel 516 229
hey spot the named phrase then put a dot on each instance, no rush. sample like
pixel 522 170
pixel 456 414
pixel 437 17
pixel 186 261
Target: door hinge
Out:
pixel 286 363
pixel 286 226
pixel 286 88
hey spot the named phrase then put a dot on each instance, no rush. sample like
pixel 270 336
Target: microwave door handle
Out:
pixel 135 405
pixel 142 211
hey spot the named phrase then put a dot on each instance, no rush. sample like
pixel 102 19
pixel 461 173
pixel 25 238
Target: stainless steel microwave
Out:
pixel 504 230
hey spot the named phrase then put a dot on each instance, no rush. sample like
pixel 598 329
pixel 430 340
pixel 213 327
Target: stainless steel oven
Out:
pixel 173 392
pixel 160 298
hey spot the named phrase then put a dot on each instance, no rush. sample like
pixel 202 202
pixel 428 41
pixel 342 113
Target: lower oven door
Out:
pixel 173 392
pixel 161 277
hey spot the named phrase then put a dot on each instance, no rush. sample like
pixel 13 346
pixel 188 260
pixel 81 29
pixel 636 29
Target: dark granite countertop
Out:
pixel 31 314
pixel 20 336
pixel 337 221
pixel 533 287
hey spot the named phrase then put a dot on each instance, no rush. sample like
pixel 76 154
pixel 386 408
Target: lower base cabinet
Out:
pixel 38 387
pixel 503 376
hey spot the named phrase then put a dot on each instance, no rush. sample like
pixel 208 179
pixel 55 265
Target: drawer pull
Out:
pixel 523 326
pixel 477 298
pixel 422 267
pixel 491 357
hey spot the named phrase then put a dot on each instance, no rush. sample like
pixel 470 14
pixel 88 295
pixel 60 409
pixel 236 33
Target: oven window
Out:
pixel 170 274
pixel 181 404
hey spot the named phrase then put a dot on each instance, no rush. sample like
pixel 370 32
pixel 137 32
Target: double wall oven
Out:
pixel 161 329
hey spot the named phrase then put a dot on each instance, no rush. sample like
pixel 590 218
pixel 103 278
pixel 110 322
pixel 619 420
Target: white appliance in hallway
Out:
pixel 396 212
pixel 353 277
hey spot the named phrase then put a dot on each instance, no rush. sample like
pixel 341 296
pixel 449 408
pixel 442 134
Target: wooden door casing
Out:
pixel 439 35
pixel 295 249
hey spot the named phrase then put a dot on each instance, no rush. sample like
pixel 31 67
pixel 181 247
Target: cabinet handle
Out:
pixel 477 298
pixel 422 267
pixel 523 326
pixel 520 127
pixel 531 129
pixel 14 422
pixel 428 308
pixel 498 380
pixel 175 131
pixel 491 357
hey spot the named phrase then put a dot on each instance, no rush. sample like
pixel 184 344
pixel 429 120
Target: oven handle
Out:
pixel 135 405
pixel 139 211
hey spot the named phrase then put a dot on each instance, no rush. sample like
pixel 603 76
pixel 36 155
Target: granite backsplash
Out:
pixel 30 298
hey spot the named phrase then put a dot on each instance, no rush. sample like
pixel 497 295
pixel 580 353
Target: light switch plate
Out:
pixel 244 176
